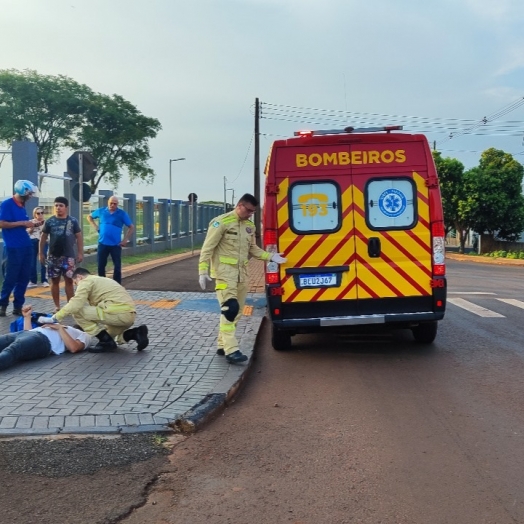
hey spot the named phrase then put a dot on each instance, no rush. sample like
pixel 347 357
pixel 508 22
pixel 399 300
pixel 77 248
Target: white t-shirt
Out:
pixel 57 344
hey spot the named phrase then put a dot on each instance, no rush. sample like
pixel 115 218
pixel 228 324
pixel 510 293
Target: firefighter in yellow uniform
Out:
pixel 104 309
pixel 229 243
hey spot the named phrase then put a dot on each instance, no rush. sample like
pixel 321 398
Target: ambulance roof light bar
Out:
pixel 349 129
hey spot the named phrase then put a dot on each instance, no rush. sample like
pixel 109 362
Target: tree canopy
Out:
pixel 450 172
pixel 57 112
pixel 487 198
pixel 42 108
pixel 493 195
pixel 116 134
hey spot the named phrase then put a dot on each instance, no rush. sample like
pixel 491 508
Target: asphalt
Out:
pixel 176 384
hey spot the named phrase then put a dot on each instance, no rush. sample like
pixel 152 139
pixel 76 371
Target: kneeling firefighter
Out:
pixel 229 243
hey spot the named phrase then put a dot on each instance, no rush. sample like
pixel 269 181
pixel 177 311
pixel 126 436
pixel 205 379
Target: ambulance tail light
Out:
pixel 439 248
pixel 271 245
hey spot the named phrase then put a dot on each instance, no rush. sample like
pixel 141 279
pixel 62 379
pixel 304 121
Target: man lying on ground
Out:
pixel 40 342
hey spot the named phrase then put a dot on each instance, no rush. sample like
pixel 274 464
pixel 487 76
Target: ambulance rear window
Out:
pixel 390 203
pixel 315 207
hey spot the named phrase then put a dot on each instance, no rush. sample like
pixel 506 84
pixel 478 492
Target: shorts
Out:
pixel 58 266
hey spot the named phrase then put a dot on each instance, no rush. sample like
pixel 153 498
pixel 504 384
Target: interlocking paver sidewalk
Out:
pixel 173 382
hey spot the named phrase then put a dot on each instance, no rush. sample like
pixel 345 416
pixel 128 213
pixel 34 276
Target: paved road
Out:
pixel 367 429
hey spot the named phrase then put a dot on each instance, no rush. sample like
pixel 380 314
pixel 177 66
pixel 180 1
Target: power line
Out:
pixel 453 127
pixel 244 162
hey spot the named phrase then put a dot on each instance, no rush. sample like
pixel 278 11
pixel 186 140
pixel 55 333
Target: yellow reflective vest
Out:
pixel 229 244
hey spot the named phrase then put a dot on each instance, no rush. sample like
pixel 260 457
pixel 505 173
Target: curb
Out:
pixel 485 260
pixel 224 392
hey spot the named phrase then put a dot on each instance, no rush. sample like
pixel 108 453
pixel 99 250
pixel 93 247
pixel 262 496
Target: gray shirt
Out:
pixel 54 227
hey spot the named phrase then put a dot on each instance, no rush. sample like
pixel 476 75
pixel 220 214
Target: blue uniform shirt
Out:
pixel 15 237
pixel 111 225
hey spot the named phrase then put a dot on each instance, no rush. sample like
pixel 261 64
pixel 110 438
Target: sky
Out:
pixel 198 66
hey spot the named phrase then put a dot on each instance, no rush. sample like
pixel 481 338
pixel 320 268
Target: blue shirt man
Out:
pixel 111 222
pixel 18 248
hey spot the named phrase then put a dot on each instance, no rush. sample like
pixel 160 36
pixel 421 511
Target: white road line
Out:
pixel 473 308
pixel 470 293
pixel 512 302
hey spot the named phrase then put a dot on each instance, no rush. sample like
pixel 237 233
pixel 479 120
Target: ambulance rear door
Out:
pixel 316 230
pixel 392 227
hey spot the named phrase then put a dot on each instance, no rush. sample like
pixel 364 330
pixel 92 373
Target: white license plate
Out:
pixel 324 280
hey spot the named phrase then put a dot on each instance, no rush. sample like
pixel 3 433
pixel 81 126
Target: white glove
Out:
pixel 278 258
pixel 203 280
pixel 46 320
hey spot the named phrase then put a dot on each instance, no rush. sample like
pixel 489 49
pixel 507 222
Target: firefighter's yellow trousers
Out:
pixel 227 330
pixel 89 319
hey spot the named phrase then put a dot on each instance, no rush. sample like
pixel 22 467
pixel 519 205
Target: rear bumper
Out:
pixel 404 319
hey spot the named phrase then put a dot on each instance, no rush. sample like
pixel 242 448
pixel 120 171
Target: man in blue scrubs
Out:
pixel 14 223
pixel 111 219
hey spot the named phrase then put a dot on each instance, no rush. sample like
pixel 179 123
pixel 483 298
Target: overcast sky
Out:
pixel 198 65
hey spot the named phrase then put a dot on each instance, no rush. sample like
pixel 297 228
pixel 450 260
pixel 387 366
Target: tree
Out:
pixel 44 109
pixel 116 134
pixel 451 178
pixel 494 200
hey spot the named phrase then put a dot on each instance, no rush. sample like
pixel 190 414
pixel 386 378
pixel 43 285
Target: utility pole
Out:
pixel 225 193
pixel 257 171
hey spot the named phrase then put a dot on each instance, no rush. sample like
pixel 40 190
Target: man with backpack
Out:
pixel 64 232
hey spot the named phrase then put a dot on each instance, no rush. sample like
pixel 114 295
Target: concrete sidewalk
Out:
pixel 177 382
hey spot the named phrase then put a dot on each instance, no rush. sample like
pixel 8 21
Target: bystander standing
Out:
pixel 17 246
pixel 112 219
pixel 64 232
pixel 35 233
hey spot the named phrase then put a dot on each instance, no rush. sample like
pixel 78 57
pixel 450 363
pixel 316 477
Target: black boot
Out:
pixel 139 334
pixel 105 343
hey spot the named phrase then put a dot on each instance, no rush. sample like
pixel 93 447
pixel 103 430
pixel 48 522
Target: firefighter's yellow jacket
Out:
pixel 229 243
pixel 104 293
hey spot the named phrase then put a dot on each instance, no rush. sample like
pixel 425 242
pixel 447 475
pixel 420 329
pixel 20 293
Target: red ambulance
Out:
pixel 358 215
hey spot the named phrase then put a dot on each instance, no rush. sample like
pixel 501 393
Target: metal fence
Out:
pixel 159 223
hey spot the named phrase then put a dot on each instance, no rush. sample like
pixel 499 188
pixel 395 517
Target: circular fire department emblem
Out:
pixel 392 203
pixel 216 223
pixel 249 230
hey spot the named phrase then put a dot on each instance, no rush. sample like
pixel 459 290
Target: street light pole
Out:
pixel 171 160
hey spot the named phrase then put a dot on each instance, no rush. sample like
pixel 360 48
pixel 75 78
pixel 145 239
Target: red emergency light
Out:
pixel 304 134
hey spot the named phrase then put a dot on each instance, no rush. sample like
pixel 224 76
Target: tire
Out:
pixel 425 332
pixel 280 340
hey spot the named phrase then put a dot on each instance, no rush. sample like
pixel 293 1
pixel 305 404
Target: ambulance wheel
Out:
pixel 425 332
pixel 280 340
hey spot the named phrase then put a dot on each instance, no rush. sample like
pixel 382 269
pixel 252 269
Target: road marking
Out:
pixel 512 302
pixel 248 311
pixel 473 308
pixel 470 293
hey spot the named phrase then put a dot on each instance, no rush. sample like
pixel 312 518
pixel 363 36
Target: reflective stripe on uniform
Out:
pixel 228 260
pixel 227 327
pixel 221 286
pixel 203 266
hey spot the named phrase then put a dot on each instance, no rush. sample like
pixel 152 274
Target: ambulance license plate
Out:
pixel 323 280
